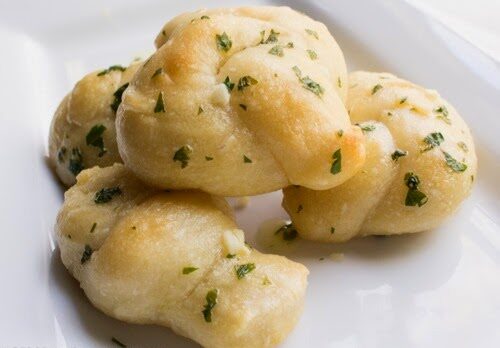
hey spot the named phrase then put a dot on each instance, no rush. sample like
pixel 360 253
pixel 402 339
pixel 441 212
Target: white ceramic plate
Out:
pixel 434 289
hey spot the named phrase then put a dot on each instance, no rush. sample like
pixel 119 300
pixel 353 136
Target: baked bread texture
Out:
pixel 175 259
pixel 82 133
pixel 420 165
pixel 238 102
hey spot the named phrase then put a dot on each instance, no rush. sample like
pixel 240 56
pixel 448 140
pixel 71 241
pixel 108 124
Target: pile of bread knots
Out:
pixel 238 102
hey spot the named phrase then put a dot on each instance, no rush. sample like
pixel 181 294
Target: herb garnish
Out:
pixel 118 97
pixel 211 299
pixel 414 197
pixel 308 83
pixel 403 100
pixel 200 110
pixel 92 229
pixel 288 230
pixel 223 41
pixel 229 84
pixel 337 162
pixel 87 253
pixel 106 194
pixel 433 140
pixel 246 81
pixel 246 159
pixel 230 256
pixel 339 82
pixel 61 154
pixel 313 33
pixel 208 158
pixel 204 17
pixel 112 68
pixel 272 38
pixel 299 208
pixel 187 270
pixel 160 106
pixel 157 72
pixel 277 51
pixel 94 138
pixel 443 114
pixel 313 55
pixel 332 230
pixel 398 153
pixel 118 343
pixel 340 133
pixel 75 165
pixel 376 88
pixel 243 270
pixel 453 163
pixel 182 155
pixel 367 128
pixel 243 106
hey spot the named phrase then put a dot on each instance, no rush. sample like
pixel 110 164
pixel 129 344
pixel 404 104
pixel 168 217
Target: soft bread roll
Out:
pixel 175 259
pixel 420 166
pixel 240 102
pixel 82 133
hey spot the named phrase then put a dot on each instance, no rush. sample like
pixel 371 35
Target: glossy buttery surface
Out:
pixel 434 289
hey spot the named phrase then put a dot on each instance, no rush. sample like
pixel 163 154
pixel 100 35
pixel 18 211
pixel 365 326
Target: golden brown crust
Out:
pixel 141 243
pixel 410 113
pixel 287 132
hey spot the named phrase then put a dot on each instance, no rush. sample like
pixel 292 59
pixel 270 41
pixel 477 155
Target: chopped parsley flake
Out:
pixel 272 38
pixel 376 88
pixel 157 72
pixel 243 270
pixel 211 299
pixel 61 154
pixel 339 82
pixel 277 51
pixel 229 84
pixel 94 138
pixel 299 208
pixel 160 106
pixel 290 45
pixel 398 153
pixel 340 133
pixel 208 158
pixel 312 33
pixel 246 159
pixel 118 97
pixel 414 197
pixel 288 232
pixel 313 55
pixel 463 146
pixel 223 41
pixel 92 229
pixel 230 256
pixel 182 155
pixel 455 165
pixel 106 194
pixel 187 270
pixel 337 162
pixel 403 100
pixel 243 106
pixel 204 17
pixel 443 114
pixel 75 165
pixel 111 68
pixel 433 140
pixel 118 343
pixel 332 230
pixel 87 253
pixel 200 110
pixel 246 81
pixel 367 128
pixel 308 83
